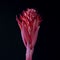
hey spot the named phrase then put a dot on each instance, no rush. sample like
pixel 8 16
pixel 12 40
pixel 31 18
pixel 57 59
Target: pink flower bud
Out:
pixel 29 24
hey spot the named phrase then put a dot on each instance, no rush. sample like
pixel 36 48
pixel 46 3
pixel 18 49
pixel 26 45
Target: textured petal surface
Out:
pixel 28 23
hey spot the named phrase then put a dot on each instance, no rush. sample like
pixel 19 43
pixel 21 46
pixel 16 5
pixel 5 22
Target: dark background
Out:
pixel 11 45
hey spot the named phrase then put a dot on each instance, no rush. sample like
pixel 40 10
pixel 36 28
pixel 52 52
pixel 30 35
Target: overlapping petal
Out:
pixel 29 24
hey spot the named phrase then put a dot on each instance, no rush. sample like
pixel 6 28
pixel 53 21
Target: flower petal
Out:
pixel 19 23
pixel 34 37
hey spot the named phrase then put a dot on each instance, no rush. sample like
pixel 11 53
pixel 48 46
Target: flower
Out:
pixel 29 24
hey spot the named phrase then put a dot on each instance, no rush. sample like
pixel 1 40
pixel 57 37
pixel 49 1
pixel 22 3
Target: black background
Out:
pixel 11 45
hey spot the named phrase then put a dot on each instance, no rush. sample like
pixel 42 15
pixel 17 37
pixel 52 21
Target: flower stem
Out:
pixel 29 53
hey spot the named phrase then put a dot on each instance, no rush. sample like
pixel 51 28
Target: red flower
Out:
pixel 29 24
